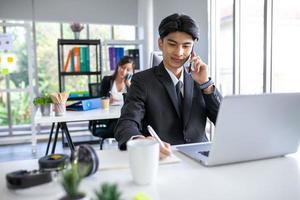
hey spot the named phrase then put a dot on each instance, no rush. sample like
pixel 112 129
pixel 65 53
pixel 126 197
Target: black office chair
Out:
pixel 95 89
pixel 103 128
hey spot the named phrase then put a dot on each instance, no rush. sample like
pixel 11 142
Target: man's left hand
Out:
pixel 199 71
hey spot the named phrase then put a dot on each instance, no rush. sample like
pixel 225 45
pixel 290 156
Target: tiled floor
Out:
pixel 24 151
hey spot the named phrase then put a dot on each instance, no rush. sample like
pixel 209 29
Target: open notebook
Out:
pixel 112 159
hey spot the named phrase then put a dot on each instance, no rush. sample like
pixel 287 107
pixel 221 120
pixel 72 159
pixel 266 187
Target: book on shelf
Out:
pixel 115 55
pixel 76 53
pixel 112 58
pixel 84 59
pixel 119 54
pixel 78 59
pixel 66 66
pixel 135 53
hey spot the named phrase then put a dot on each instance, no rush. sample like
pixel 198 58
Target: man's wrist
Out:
pixel 206 84
pixel 209 90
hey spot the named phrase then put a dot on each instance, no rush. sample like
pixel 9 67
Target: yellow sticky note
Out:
pixel 10 59
pixel 4 71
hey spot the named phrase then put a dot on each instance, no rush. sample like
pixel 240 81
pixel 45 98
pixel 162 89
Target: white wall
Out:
pixel 86 11
pixel 197 9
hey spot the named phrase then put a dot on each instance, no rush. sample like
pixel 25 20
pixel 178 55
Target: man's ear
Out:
pixel 160 43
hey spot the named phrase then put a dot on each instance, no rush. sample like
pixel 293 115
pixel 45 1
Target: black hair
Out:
pixel 123 61
pixel 178 22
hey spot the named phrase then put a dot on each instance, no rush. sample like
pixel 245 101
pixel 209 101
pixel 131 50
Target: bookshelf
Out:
pixel 79 63
pixel 131 47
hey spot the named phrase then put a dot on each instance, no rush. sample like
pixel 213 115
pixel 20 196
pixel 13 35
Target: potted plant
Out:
pixel 71 178
pixel 45 104
pixel 76 28
pixel 108 192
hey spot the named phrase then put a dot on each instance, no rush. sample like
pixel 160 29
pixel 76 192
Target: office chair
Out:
pixel 103 128
pixel 155 58
pixel 94 90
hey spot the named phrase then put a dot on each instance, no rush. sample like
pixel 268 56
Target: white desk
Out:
pixel 274 179
pixel 73 116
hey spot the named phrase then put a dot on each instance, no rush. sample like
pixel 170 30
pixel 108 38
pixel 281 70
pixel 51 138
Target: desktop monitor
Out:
pixel 155 58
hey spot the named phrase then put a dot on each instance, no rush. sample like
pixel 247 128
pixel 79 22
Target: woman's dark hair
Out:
pixel 123 61
pixel 178 22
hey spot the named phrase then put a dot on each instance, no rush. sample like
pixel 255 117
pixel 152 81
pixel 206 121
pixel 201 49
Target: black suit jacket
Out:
pixel 106 85
pixel 152 100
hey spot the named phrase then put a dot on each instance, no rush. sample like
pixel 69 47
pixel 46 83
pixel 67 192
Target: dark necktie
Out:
pixel 179 95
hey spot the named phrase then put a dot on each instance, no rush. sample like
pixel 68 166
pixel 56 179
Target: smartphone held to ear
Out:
pixel 189 64
pixel 191 67
pixel 128 76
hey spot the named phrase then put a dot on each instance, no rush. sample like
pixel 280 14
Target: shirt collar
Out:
pixel 174 78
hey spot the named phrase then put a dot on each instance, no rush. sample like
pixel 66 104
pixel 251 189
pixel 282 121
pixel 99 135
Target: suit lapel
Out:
pixel 188 97
pixel 166 80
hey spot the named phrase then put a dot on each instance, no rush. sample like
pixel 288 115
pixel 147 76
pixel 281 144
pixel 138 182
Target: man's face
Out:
pixel 176 48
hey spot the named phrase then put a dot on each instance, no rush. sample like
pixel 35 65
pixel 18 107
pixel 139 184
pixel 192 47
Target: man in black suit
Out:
pixel 176 111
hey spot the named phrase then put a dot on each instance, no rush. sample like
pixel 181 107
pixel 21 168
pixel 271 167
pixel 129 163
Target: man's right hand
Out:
pixel 164 151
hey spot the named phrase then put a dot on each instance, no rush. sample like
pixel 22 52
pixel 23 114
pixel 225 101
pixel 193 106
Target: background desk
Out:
pixel 74 116
pixel 272 179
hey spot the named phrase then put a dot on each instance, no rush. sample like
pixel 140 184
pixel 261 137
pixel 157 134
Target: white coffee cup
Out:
pixel 143 160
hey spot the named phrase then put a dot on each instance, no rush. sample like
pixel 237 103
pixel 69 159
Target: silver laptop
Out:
pixel 251 127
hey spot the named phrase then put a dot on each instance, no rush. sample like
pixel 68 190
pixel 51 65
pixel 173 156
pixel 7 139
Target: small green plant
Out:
pixel 43 100
pixel 108 191
pixel 71 178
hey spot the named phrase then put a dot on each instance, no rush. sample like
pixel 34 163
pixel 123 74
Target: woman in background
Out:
pixel 115 85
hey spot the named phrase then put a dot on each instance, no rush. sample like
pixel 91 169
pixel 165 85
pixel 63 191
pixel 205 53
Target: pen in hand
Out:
pixel 153 134
pixel 165 150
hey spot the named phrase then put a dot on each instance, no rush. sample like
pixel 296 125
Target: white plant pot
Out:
pixel 45 109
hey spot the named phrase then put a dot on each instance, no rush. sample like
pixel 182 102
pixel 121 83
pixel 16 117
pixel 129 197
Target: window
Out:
pixel 251 46
pixel 15 88
pixel 15 111
pixel 224 50
pixel 124 32
pixel 102 32
pixel 4 120
pixel 245 43
pixel 286 43
pixel 18 73
pixel 123 36
pixel 46 41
